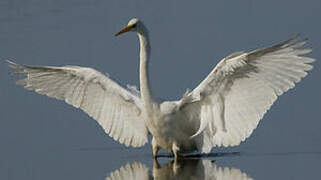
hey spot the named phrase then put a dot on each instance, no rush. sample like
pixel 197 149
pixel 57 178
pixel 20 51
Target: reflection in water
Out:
pixel 196 169
pixel 133 171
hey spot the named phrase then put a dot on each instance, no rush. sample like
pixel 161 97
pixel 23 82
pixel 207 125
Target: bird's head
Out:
pixel 133 25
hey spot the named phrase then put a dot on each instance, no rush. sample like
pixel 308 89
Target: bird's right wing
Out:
pixel 117 110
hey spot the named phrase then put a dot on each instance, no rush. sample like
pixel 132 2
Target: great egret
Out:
pixel 222 110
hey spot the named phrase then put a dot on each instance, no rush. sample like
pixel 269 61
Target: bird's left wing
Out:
pixel 232 99
pixel 117 110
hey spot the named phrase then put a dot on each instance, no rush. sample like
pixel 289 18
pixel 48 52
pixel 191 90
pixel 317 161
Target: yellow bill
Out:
pixel 126 29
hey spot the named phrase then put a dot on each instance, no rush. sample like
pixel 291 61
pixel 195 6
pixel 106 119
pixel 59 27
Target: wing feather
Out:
pixel 234 97
pixel 115 109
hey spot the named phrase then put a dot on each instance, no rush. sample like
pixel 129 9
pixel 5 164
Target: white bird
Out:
pixel 223 110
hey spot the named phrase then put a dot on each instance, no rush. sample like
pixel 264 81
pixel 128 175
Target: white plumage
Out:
pixel 223 110
pixel 115 109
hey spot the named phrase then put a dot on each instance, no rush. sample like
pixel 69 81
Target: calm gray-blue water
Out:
pixel 42 138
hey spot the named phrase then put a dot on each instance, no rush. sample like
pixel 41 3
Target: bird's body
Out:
pixel 222 110
pixel 171 130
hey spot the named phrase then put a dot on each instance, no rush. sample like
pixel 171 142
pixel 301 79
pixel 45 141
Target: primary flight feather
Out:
pixel 223 110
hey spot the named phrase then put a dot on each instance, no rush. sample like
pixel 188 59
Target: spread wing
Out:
pixel 115 109
pixel 229 103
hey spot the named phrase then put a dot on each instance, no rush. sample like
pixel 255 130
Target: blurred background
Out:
pixel 42 138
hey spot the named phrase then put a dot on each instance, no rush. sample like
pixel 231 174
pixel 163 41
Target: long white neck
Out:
pixel 144 54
